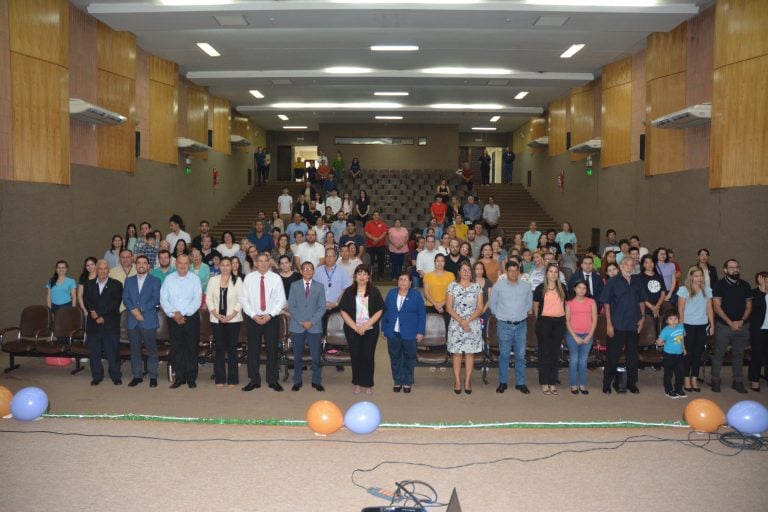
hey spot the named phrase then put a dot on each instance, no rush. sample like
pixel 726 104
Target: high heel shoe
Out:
pixel 468 391
pixel 457 391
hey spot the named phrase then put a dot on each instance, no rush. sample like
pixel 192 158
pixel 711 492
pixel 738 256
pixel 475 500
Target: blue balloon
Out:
pixel 29 404
pixel 362 418
pixel 749 417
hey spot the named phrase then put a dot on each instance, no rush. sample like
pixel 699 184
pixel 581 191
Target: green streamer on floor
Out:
pixel 275 422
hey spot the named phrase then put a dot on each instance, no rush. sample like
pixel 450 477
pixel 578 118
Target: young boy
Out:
pixel 671 338
pixel 569 258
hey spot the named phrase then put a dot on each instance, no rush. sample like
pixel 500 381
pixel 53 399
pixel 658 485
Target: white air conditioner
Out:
pixel 237 140
pixel 688 117
pixel 89 113
pixel 191 145
pixel 540 142
pixel 590 146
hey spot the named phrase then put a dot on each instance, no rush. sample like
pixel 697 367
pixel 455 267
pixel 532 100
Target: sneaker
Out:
pixel 671 394
pixel 681 394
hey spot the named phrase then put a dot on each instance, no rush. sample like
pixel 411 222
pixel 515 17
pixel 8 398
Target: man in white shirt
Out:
pixel 334 201
pixel 320 228
pixel 348 261
pixel 491 214
pixel 285 206
pixel 425 261
pixel 310 250
pixel 339 226
pixel 176 225
pixel 262 299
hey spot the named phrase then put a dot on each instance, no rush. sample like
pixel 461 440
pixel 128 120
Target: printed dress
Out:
pixel 465 304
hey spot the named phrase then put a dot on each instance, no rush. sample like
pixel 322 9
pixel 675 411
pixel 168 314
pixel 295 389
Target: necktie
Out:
pixel 307 293
pixel 588 279
pixel 263 295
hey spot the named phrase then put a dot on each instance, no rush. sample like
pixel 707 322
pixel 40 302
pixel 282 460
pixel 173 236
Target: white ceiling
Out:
pixel 292 41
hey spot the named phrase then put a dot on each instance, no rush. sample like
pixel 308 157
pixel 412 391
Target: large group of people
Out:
pixel 309 260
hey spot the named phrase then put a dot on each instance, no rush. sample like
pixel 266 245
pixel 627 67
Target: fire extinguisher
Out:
pixel 216 178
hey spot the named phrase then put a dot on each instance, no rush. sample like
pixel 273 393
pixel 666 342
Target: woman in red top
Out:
pixel 438 210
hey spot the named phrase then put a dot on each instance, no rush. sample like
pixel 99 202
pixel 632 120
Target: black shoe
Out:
pixel 406 389
pixel 318 387
pixel 276 386
pixel 192 384
pixel 117 382
pixel 95 382
pixel 574 391
pixel 739 387
pixel 135 382
pixel 584 391
pixel 177 384
pixel 607 389
pixel 457 391
pixel 296 387
pixel 633 390
pixel 468 391
pixel 681 394
pixel 523 389
pixel 251 386
pixel 397 389
pixel 715 385
pixel 153 383
pixel 502 388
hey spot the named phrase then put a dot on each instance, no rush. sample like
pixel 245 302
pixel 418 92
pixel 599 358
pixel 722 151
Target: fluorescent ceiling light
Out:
pixel 573 50
pixel 389 118
pixel 495 118
pixel 256 93
pixel 359 105
pixel 595 3
pixel 390 93
pixel 521 95
pixel 394 48
pixel 347 70
pixel 184 3
pixel 392 2
pixel 294 127
pixel 466 71
pixel 484 128
pixel 210 50
pixel 282 117
pixel 467 106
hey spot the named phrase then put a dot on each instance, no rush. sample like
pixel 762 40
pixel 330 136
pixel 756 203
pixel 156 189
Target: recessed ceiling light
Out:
pixel 294 127
pixel 550 21
pixel 495 118
pixel 231 20
pixel 182 3
pixel 394 48
pixel 484 128
pixel 521 95
pixel 347 70
pixel 282 117
pixel 573 50
pixel 451 70
pixel 359 105
pixel 256 93
pixel 388 118
pixel 467 106
pixel 390 93
pixel 281 81
pixel 595 3
pixel 210 50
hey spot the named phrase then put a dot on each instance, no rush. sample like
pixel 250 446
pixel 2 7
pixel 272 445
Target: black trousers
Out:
pixel 759 342
pixel 185 340
pixel 362 351
pixel 109 346
pixel 225 361
pixel 377 259
pixel 269 333
pixel 673 366
pixel 628 341
pixel 695 342
pixel 549 332
pixel 486 176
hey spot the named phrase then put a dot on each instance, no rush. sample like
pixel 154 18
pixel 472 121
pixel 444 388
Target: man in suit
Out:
pixel 588 274
pixel 141 296
pixel 102 299
pixel 306 302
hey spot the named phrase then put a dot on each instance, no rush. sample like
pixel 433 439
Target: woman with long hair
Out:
pixel 283 248
pixel 228 247
pixel 464 304
pixel 222 297
pixel 61 289
pixel 668 271
pixel 354 168
pixel 361 306
pixel 655 291
pixel 580 322
pixel 758 329
pixel 436 287
pixel 277 222
pixel 491 264
pixel 347 205
pixel 88 273
pixel 363 207
pixel 112 255
pixel 465 249
pixel 237 267
pixel 249 265
pixel 549 310
pixel 131 237
pixel 481 278
pixel 286 272
pixel 710 272
pixel 180 249
pixel 694 304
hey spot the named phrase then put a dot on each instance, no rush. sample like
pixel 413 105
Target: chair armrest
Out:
pixel 7 330
pixel 43 333
pixel 73 334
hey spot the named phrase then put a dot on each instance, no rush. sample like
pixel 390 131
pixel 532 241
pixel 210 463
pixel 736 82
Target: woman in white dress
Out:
pixel 464 303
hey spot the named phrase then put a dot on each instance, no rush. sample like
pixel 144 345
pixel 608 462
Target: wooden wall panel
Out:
pixel 163 71
pixel 142 101
pixel 116 51
pixel 739 152
pixel 40 120
pixel 40 29
pixel 637 126
pixel 163 118
pixel 116 143
pixel 698 84
pixel 582 105
pixel 665 149
pixel 83 84
pixel 558 126
pixel 6 146
pixel 740 30
pixel 616 125
pixel 617 73
pixel 665 52
pixel 221 125
pixel 197 113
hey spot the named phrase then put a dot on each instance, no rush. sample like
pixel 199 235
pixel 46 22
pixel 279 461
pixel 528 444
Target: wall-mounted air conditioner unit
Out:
pixel 237 140
pixel 540 142
pixel 191 145
pixel 89 113
pixel 590 146
pixel 688 117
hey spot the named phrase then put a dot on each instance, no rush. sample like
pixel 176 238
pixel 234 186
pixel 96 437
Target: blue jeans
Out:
pixel 577 359
pixel 512 336
pixel 417 282
pixel 402 355
pixel 396 259
pixel 313 339
pixel 506 173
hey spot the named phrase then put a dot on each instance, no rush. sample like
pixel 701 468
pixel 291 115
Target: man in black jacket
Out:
pixel 102 298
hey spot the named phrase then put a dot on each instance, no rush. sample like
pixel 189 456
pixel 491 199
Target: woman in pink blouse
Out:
pixel 398 247
pixel 581 321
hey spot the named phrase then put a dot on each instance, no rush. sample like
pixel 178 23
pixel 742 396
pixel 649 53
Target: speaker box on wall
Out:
pixel 642 146
pixel 529 178
pixel 138 144
pixel 210 138
pixel 567 140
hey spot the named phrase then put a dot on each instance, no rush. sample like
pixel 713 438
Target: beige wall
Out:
pixel 441 151
pixel 43 223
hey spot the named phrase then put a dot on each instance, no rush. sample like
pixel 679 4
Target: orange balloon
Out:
pixel 324 417
pixel 5 401
pixel 704 415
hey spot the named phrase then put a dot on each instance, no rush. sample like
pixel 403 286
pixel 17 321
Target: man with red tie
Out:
pixel 263 298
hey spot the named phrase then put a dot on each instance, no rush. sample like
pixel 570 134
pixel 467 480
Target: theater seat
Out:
pixel 336 350
pixel 647 353
pixel 432 349
pixel 20 340
pixel 67 326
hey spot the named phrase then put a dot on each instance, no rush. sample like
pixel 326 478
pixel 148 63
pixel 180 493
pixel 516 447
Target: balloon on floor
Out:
pixel 704 415
pixel 29 404
pixel 748 417
pixel 5 401
pixel 362 418
pixel 324 417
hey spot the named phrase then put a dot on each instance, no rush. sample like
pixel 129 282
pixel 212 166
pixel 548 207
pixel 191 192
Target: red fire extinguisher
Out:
pixel 216 178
